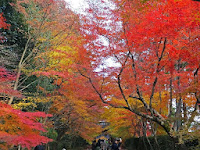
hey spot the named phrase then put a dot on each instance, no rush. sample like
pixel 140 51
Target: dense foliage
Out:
pixel 133 64
pixel 155 48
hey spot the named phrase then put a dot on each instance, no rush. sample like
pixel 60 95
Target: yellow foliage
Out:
pixel 31 102
pixel 121 122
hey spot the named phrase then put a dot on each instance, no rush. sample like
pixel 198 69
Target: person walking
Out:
pixel 104 145
pixel 116 144
pixel 98 145
pixel 94 145
pixel 39 147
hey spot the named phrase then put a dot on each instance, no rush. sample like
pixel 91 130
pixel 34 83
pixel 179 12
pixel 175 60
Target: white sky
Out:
pixel 77 5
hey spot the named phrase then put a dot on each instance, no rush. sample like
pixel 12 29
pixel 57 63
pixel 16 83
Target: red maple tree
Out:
pixel 155 47
pixel 21 128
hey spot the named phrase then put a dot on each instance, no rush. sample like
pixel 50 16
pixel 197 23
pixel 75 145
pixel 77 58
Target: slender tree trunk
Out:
pixel 178 115
pixel 19 69
pixel 143 139
pixel 179 103
pixel 154 130
pixel 170 102
pixel 16 84
pixel 145 134
pixel 185 112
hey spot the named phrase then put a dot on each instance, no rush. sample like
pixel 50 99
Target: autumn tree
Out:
pixel 124 124
pixel 17 128
pixel 46 21
pixel 154 46
pixel 61 94
pixel 74 115
pixel 20 128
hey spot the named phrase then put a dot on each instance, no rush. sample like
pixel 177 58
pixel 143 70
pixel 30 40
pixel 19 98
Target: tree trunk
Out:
pixel 19 69
pixel 178 116
pixel 171 98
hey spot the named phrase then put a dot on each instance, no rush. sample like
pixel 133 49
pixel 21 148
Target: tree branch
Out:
pixel 157 71
pixel 119 82
pixel 99 94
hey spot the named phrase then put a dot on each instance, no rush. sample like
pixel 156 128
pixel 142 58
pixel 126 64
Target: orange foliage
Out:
pixel 21 128
pixel 155 47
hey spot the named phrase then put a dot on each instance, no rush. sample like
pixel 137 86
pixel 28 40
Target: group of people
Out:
pixel 107 144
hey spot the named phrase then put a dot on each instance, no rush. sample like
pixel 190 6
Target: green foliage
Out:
pixel 51 133
pixel 17 31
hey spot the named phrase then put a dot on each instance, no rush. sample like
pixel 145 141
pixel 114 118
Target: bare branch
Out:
pixel 119 82
pixel 99 94
pixel 157 71
pixel 28 85
pixel 152 92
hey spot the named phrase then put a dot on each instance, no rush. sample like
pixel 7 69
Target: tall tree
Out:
pixel 46 21
pixel 17 127
pixel 154 45
pixel 72 115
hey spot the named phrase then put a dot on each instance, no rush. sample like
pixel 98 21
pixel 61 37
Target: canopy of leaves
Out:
pixel 21 128
pixel 155 47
